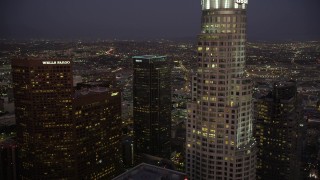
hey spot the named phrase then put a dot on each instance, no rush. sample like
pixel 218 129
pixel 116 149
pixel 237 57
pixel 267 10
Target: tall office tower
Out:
pixel 43 107
pixel 279 132
pixel 64 134
pixel 220 143
pixel 97 117
pixel 151 106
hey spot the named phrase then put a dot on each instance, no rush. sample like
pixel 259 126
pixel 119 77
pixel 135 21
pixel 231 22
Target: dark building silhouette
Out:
pixel 151 106
pixel 279 133
pixel 8 160
pixel 1 106
pixel 127 152
pixel 64 134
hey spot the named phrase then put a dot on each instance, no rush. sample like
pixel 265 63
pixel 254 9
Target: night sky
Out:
pixel 268 20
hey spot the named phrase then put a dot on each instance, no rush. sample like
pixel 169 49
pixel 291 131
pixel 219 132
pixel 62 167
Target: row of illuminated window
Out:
pixel 216 51
pixel 212 44
pixel 226 54
pixel 223 26
pixel 224 19
pixel 222 131
pixel 221 60
pixel 211 30
pixel 224 37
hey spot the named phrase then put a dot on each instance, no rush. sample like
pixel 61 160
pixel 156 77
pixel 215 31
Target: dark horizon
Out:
pixel 143 40
pixel 271 20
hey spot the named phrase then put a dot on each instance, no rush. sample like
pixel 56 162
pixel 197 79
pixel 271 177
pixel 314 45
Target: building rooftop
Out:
pixel 285 83
pixel 224 4
pixel 7 120
pixel 87 91
pixel 145 172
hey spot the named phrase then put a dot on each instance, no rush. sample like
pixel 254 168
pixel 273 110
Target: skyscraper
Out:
pixel 151 106
pixel 97 117
pixel 279 133
pixel 43 106
pixel 220 142
pixel 62 133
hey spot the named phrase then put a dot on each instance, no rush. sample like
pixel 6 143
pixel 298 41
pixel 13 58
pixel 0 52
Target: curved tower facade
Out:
pixel 220 142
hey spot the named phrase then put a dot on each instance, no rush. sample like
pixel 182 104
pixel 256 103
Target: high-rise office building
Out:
pixel 63 134
pixel 43 106
pixel 219 142
pixel 151 106
pixel 279 133
pixel 97 117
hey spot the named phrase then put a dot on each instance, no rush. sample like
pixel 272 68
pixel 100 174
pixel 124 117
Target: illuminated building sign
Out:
pixel 242 1
pixel 55 62
pixel 114 94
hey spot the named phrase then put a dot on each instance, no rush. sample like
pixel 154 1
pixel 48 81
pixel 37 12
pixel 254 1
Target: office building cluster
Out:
pixel 64 133
pixel 202 114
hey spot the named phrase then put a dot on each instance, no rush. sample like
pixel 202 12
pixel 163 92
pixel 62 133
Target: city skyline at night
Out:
pixel 148 89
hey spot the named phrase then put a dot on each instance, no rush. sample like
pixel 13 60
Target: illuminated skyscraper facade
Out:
pixel 43 106
pixel 151 106
pixel 280 130
pixel 63 134
pixel 220 143
pixel 97 117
